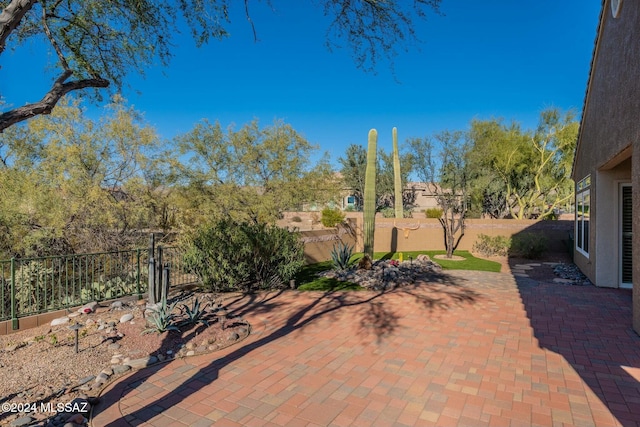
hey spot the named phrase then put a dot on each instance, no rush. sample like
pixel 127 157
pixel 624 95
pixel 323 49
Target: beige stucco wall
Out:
pixel 427 234
pixel 610 132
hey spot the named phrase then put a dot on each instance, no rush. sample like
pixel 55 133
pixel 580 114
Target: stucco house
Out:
pixel 606 170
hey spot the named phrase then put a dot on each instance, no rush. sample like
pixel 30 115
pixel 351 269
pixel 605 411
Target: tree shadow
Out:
pixel 591 329
pixel 377 318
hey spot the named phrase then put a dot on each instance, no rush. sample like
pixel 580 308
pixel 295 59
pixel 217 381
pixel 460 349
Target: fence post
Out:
pixel 14 316
pixel 152 272
pixel 139 274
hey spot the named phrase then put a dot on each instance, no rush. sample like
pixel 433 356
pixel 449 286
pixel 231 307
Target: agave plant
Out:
pixel 162 319
pixel 341 256
pixel 194 314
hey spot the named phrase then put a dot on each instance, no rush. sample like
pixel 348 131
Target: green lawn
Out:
pixel 308 281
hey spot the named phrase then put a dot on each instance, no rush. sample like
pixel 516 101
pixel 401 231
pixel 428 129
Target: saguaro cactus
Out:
pixel 397 179
pixel 370 194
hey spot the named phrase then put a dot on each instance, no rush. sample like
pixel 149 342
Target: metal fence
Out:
pixel 37 285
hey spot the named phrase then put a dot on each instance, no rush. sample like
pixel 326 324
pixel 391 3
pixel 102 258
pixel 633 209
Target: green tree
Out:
pixel 353 168
pixel 442 162
pixel 72 184
pixel 98 42
pixel 252 174
pixel 532 168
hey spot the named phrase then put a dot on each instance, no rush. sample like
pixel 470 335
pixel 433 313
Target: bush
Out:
pixel 243 256
pixel 388 212
pixel 391 213
pixel 296 219
pixel 490 246
pixel 528 245
pixel 341 256
pixel 331 217
pixel 433 213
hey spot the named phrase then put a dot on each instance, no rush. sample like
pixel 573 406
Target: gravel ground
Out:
pixel 40 365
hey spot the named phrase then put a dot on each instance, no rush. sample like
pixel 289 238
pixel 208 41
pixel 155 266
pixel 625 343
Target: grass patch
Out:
pixel 470 262
pixel 308 280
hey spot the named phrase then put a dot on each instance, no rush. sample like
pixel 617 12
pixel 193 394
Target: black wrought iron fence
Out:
pixel 37 285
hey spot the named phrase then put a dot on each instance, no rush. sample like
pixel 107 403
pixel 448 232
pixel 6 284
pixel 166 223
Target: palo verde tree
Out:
pixel 442 162
pixel 530 170
pixel 71 184
pixel 97 43
pixel 250 174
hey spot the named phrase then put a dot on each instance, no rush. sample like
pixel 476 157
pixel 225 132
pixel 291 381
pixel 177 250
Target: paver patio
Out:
pixel 463 349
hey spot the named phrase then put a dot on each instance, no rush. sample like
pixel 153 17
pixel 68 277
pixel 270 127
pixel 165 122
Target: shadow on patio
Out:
pixel 377 316
pixel 591 329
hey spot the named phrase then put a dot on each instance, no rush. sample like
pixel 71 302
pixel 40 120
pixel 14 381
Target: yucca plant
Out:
pixel 341 256
pixel 162 319
pixel 194 314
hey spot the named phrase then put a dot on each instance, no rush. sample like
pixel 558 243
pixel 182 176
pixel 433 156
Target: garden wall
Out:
pixel 319 243
pixel 414 234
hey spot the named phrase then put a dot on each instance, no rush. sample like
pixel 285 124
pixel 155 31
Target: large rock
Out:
pixel 88 308
pixel 143 362
pixel 60 321
pixel 120 369
pixel 126 317
pixel 22 421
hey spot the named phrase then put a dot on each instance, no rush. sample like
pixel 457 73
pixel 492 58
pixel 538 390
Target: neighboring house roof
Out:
pixel 596 46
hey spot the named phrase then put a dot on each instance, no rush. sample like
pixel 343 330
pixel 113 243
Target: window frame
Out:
pixel 582 221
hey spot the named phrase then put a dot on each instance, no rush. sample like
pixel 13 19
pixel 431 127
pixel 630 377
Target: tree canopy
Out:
pixel 530 169
pixel 251 174
pixel 353 166
pixel 97 43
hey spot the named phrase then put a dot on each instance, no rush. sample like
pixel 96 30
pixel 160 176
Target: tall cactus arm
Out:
pixel 370 194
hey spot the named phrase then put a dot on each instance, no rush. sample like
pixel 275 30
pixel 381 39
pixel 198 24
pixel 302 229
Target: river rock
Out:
pixel 60 321
pixel 120 369
pixel 125 318
pixel 22 421
pixel 142 362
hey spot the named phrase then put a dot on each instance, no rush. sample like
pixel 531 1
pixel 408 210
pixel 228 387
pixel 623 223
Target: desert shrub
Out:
pixel 492 245
pixel 296 219
pixel 528 245
pixel 331 217
pixel 341 256
pixel 226 255
pixel 388 212
pixel 433 213
pixel 391 213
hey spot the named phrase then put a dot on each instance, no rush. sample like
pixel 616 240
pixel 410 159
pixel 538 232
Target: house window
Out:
pixel 583 203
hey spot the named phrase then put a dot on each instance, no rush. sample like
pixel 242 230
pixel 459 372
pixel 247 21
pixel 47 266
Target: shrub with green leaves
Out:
pixel 331 217
pixel 433 213
pixel 227 255
pixel 492 245
pixel 341 256
pixel 528 245
pixel 391 213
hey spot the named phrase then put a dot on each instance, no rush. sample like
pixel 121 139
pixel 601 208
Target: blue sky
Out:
pixel 481 59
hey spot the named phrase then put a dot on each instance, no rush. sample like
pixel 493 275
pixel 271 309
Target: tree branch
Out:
pixel 10 18
pixel 46 104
